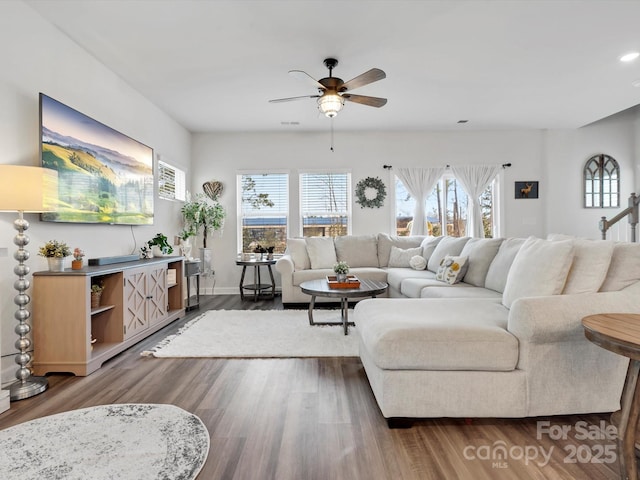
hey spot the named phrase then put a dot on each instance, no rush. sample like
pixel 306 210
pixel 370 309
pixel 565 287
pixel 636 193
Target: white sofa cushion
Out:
pixel 496 278
pixel 428 245
pixel 322 252
pixel 452 269
pixel 297 248
pixel 481 252
pixel 401 257
pixel 449 334
pixel 539 269
pixel 357 250
pixel 590 265
pixel 447 246
pixel 386 241
pixel 459 290
pixel 395 276
pixel 624 268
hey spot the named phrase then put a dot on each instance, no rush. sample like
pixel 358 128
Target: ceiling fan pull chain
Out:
pixel 331 134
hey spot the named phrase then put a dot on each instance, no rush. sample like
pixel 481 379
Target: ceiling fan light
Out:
pixel 330 104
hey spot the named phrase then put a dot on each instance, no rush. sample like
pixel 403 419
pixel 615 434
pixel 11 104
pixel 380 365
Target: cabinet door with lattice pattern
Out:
pixel 136 302
pixel 157 294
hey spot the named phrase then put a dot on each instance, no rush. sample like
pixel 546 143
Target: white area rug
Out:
pixel 124 442
pixel 260 334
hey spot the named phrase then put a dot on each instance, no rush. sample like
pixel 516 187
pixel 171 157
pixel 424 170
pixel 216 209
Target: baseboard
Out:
pixel 4 400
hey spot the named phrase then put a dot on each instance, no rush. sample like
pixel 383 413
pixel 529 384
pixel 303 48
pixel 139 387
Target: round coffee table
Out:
pixel 320 288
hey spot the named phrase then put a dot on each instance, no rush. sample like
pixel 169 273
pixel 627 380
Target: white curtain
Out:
pixel 474 180
pixel 419 182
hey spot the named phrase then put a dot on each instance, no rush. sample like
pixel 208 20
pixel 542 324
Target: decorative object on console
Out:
pixel 341 269
pixel 96 294
pixel 365 186
pixel 76 263
pixel 25 189
pixel 526 189
pixel 55 253
pixel 159 245
pixel 198 215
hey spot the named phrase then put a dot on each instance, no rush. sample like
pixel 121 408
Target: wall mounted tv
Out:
pixel 103 176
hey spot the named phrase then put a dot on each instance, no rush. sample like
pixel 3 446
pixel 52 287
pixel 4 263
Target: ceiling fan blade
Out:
pixel 304 76
pixel 366 78
pixel 289 99
pixel 365 100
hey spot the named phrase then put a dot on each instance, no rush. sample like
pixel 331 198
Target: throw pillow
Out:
pixel 322 252
pixel 297 248
pixel 386 241
pixel 452 269
pixel 447 246
pixel 417 262
pixel 400 257
pixel 539 269
pixel 496 278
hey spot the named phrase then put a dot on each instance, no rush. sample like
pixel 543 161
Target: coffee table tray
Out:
pixel 352 282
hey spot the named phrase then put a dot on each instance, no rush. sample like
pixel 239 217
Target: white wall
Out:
pixel 567 151
pixel 36 57
pixel 219 156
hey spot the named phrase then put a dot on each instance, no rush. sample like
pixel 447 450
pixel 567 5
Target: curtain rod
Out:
pixel 389 167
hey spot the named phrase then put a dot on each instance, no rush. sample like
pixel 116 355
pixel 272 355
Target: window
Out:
pixel 601 182
pixel 263 206
pixel 325 204
pixel 171 182
pixel 447 201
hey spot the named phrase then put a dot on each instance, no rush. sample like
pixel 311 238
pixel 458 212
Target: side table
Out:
pixel 257 287
pixel 191 270
pixel 620 333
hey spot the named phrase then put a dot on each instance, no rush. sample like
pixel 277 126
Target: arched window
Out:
pixel 601 182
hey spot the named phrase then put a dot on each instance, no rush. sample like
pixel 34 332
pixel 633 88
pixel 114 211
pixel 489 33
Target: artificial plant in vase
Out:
pixel 55 253
pixel 201 214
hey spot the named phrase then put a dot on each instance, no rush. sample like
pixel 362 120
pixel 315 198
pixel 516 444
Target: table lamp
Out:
pixel 25 189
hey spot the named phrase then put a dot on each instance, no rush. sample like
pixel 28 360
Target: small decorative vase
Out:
pixel 56 264
pixel 157 251
pixel 269 256
pixel 76 264
pixel 341 277
pixel 95 299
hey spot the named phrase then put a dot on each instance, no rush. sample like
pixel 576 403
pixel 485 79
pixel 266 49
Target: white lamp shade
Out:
pixel 330 104
pixel 27 189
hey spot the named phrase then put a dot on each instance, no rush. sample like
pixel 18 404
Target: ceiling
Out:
pixel 514 64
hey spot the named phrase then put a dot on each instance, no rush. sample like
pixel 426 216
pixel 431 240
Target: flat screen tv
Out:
pixel 104 177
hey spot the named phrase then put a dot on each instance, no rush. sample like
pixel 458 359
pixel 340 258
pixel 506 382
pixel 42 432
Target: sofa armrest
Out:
pixel 559 318
pixel 285 266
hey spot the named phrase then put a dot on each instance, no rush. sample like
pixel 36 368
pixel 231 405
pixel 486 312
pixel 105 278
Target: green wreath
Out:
pixel 361 189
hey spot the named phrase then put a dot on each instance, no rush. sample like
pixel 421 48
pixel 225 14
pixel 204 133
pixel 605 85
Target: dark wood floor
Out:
pixel 302 419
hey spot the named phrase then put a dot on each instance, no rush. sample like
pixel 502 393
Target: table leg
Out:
pixel 244 270
pixel 345 315
pixel 273 282
pixel 311 305
pixel 256 275
pixel 629 413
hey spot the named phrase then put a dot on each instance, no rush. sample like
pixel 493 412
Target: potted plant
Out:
pixel 201 214
pixel 185 242
pixel 341 269
pixel 55 253
pixel 96 294
pixel 159 245
pixel 76 263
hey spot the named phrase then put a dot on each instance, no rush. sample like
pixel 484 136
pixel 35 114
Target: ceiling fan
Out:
pixel 333 91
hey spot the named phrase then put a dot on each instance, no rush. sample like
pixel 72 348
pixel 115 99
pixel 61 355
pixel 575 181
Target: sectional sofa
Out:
pixel 481 327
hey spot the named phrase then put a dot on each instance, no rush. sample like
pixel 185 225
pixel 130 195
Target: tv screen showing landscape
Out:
pixel 103 175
